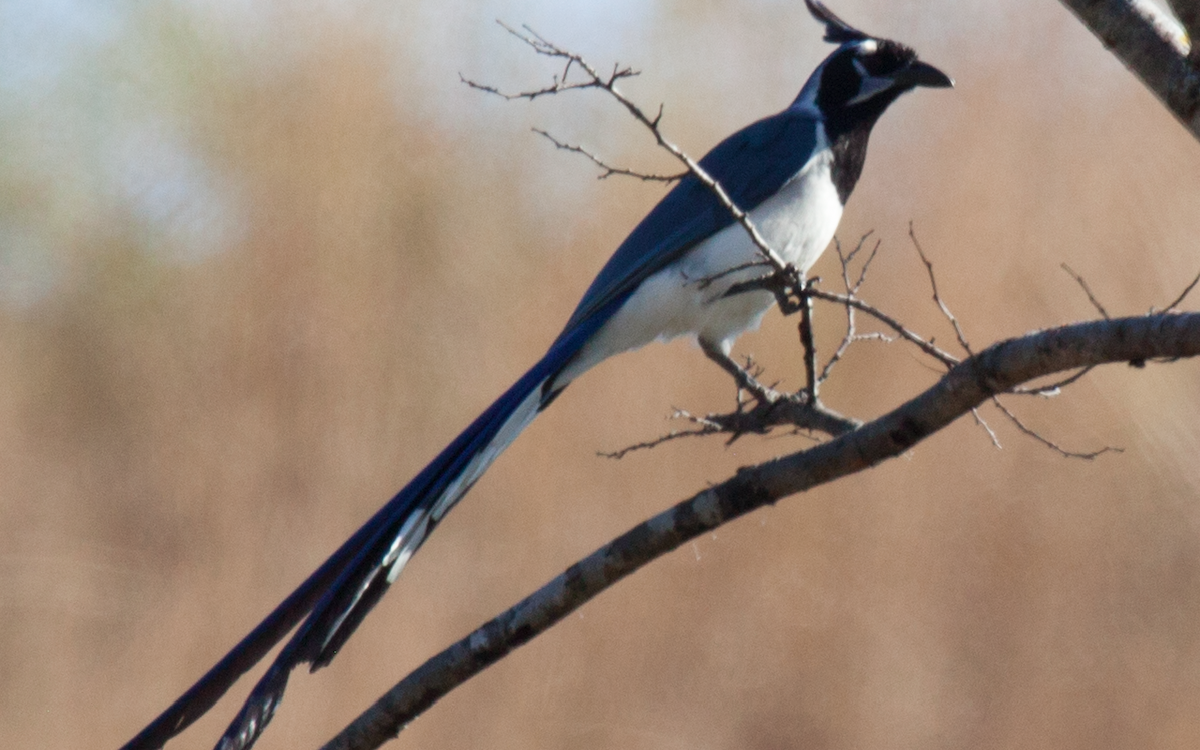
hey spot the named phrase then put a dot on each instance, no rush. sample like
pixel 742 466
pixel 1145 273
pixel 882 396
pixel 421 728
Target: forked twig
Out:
pixel 851 335
pixel 594 80
pixel 608 169
pixel 707 427
pixel 945 358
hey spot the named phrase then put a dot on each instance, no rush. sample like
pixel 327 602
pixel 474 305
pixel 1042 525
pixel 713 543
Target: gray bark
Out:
pixel 996 370
pixel 1148 42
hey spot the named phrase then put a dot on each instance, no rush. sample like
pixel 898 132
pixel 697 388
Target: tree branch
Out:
pixel 594 80
pixel 1030 432
pixel 1082 282
pixel 1188 13
pixel 609 170
pixel 937 297
pixel 1150 44
pixel 996 370
pixel 947 359
pixel 852 334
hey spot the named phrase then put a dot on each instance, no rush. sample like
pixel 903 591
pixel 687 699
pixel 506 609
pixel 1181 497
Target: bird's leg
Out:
pixel 773 407
pixel 788 286
pixel 741 375
pixel 806 338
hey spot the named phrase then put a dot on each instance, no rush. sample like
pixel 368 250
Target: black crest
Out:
pixel 836 30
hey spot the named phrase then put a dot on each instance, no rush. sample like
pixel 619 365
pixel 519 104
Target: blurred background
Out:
pixel 260 261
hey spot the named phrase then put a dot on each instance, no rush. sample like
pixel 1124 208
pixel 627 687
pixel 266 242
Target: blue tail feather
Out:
pixel 398 529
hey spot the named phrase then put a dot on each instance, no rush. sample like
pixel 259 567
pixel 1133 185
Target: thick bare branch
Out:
pixel 996 370
pixel 1150 44
pixel 1188 13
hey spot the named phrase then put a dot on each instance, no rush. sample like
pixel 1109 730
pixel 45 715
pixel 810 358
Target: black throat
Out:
pixel 848 130
pixel 849 149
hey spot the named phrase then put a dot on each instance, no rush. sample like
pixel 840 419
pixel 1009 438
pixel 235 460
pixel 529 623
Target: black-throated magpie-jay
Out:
pixel 792 172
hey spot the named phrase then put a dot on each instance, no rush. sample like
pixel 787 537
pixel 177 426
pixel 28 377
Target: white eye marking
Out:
pixel 868 46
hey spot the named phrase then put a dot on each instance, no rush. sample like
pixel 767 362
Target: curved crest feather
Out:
pixel 836 30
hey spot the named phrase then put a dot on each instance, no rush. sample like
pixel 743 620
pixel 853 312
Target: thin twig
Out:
pixel 1049 443
pixel 1179 300
pixel 851 289
pixel 850 335
pixel 979 420
pixel 594 80
pixel 608 169
pixel 707 427
pixel 1052 389
pixel 962 339
pixel 707 281
pixel 1087 290
pixel 947 359
pixel 862 273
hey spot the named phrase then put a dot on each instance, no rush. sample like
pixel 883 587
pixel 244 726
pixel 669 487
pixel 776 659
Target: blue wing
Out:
pixel 751 165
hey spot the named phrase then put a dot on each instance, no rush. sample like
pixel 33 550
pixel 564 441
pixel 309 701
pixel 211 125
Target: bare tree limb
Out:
pixel 1150 44
pixel 996 370
pixel 706 427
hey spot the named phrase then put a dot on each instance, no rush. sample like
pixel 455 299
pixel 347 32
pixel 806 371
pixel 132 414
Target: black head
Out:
pixel 864 74
pixel 855 84
pixel 862 78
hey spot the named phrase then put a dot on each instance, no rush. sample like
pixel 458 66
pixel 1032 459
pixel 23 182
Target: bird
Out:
pixel 791 172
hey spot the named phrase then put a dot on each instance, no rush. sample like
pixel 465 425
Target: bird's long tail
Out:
pixel 343 590
pixel 397 532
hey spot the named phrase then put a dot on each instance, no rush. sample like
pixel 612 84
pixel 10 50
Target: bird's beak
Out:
pixel 918 73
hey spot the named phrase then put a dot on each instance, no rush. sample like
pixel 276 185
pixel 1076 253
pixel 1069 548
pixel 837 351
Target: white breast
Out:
pixel 686 297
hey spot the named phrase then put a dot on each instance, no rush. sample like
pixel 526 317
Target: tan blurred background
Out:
pixel 260 261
